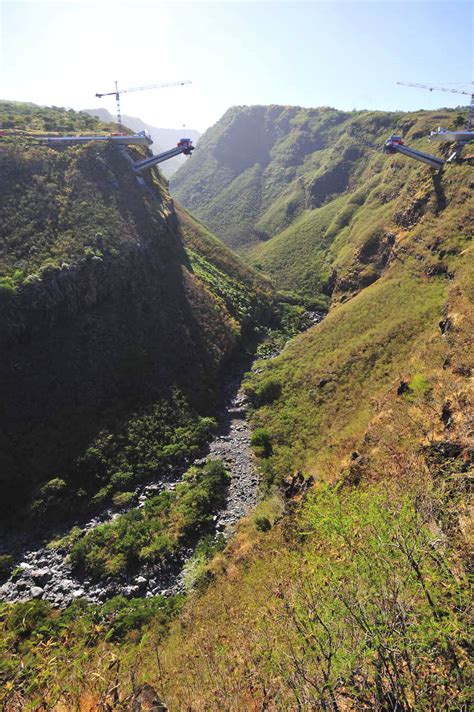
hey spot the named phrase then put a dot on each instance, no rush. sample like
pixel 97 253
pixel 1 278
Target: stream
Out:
pixel 43 572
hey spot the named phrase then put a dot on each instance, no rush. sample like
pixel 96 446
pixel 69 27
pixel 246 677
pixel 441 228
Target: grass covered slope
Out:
pixel 307 194
pixel 347 591
pixel 330 378
pixel 245 162
pixel 117 301
pixel 358 598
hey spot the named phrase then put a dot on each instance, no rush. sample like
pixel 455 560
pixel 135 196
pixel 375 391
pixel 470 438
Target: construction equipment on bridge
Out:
pixel 461 138
pixel 184 145
pixel 118 91
pixel 395 144
pixel 446 135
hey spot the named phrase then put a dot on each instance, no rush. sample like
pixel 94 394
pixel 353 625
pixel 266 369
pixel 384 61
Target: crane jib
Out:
pixel 118 91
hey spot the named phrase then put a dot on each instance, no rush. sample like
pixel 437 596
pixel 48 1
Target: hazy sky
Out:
pixel 342 54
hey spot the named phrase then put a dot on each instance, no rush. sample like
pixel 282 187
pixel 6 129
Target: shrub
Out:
pixel 262 524
pixel 264 393
pixel 122 615
pixel 120 480
pixel 53 487
pixel 102 495
pixel 7 286
pixel 25 617
pixel 419 385
pixel 6 563
pixel 261 442
pixel 121 499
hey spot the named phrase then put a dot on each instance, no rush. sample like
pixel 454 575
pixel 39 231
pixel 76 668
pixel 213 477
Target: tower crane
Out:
pixel 451 91
pixel 118 91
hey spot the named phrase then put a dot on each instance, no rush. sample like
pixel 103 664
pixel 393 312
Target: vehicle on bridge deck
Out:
pixel 186 144
pixel 391 142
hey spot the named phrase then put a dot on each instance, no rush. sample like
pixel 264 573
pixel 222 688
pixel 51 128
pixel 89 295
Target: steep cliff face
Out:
pixel 103 307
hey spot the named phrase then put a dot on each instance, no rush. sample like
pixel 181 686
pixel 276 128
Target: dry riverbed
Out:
pixel 44 572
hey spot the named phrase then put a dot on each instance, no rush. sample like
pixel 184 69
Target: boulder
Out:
pixel 145 699
pixel 41 576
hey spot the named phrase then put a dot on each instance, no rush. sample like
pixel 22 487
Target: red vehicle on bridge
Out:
pixel 186 144
pixel 391 142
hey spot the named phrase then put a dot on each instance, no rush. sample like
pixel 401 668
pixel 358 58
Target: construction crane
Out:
pixel 118 91
pixel 451 91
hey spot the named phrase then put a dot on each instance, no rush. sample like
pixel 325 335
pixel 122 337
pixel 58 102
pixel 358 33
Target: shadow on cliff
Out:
pixel 90 344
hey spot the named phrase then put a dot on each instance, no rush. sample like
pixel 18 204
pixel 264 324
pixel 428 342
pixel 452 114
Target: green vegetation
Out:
pixel 364 609
pixel 43 650
pixel 346 590
pixel 237 289
pixel 45 213
pixel 306 195
pixel 360 599
pixel 419 385
pixel 134 449
pixel 329 377
pixel 289 320
pixel 52 212
pixel 261 442
pixel 18 119
pixel 158 530
pixel 118 300
pixel 197 574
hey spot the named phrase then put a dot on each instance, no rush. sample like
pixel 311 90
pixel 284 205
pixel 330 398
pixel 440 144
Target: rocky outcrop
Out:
pixel 145 699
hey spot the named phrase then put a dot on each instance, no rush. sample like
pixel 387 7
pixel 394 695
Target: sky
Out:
pixel 348 55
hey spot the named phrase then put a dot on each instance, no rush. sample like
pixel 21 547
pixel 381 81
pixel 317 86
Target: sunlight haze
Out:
pixel 346 55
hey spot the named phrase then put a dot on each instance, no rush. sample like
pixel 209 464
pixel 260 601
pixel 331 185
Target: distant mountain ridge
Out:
pixel 162 138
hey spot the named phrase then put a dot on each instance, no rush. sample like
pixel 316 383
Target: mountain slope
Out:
pixel 306 194
pixel 108 300
pixel 370 414
pixel 347 588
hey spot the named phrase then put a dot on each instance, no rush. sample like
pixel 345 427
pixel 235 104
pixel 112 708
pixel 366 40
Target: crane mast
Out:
pixel 118 91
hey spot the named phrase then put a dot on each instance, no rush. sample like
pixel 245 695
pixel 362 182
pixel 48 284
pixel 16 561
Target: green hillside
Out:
pixel 307 194
pixel 16 117
pixel 347 588
pixel 96 274
pixel 358 597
